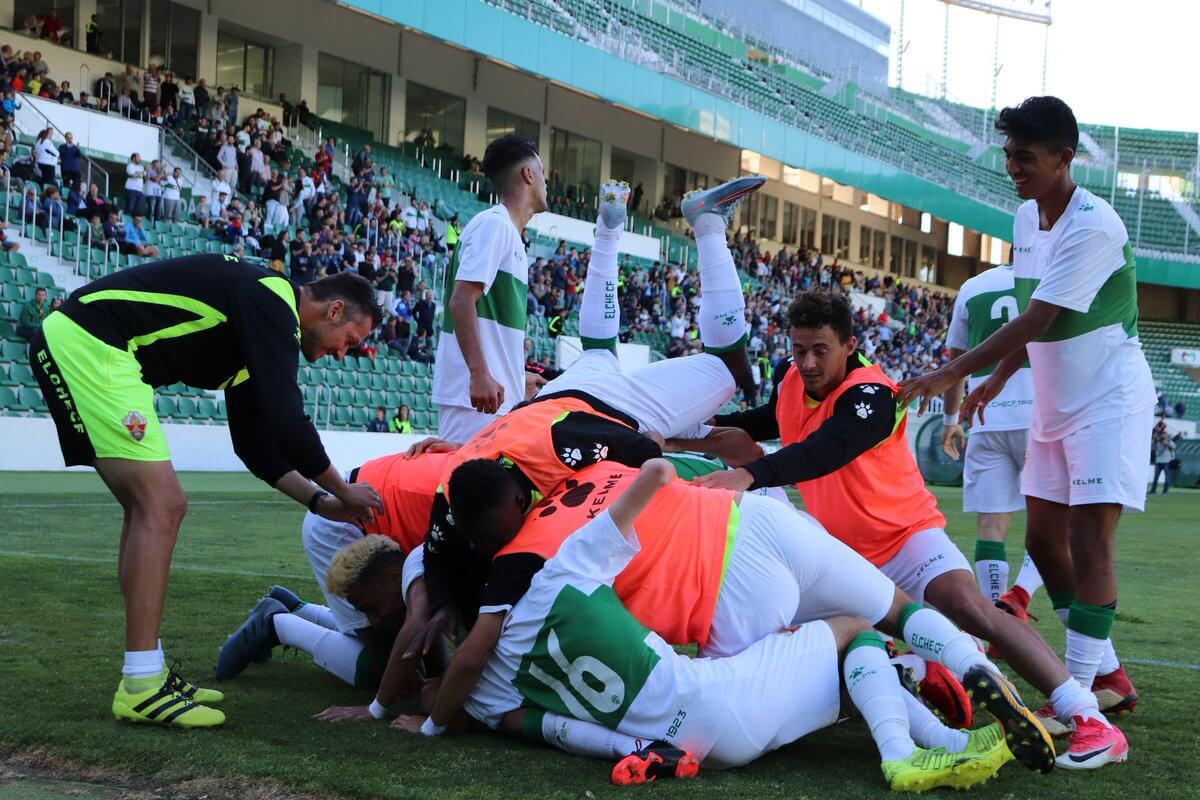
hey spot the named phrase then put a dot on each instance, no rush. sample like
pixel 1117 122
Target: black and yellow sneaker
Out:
pixel 655 760
pixel 165 704
pixel 1027 739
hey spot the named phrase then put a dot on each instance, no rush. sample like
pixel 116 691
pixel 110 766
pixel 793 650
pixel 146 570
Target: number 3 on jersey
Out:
pixel 590 658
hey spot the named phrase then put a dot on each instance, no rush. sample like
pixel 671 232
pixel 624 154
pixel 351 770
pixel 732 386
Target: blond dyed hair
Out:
pixel 349 563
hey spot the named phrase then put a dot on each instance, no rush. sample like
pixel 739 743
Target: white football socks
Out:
pixel 587 738
pixel 722 315
pixel 599 314
pixel 318 614
pixel 143 669
pixel 928 731
pixel 1108 654
pixel 336 653
pixel 1083 656
pixel 934 638
pixel 991 568
pixel 1028 577
pixel 1072 700
pixel 876 693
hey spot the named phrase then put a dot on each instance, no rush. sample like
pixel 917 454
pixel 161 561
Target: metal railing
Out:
pixel 92 166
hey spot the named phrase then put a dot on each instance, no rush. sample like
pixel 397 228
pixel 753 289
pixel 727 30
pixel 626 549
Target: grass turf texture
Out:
pixel 60 659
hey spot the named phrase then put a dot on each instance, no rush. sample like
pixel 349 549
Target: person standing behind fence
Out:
pixel 135 184
pixel 170 195
pixel 68 160
pixel 46 156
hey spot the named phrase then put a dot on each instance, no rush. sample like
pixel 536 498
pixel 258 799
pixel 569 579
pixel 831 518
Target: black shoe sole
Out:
pixel 1026 738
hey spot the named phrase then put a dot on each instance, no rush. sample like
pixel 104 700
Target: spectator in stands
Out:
pixel 92 36
pixel 31 206
pixel 65 95
pixel 112 231
pixel 96 202
pixel 419 349
pixel 1180 409
pixel 6 245
pixel 635 202
pixel 216 107
pixel 152 193
pixel 45 155
pixel 231 105
pixel 76 200
pixel 380 423
pixel 171 185
pixel 187 101
pixel 68 159
pixel 401 423
pixel 304 267
pixel 32 314
pixel 135 174
pixel 1164 454
pixel 168 91
pixel 227 157
pixel 135 241
pixel 53 211
pixel 202 98
pixel 106 88
pixel 150 87
pixel 128 81
pixel 423 314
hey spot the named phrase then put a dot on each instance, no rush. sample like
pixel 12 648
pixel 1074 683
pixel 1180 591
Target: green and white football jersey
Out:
pixel 570 647
pixel 490 252
pixel 985 303
pixel 1088 367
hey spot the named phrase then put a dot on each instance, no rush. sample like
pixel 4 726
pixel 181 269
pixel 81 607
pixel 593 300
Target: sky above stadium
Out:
pixel 1114 62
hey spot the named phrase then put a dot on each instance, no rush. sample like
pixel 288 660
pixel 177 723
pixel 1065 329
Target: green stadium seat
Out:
pixel 359 418
pixel 8 399
pixel 206 408
pixel 166 407
pixel 362 380
pixel 408 367
pixel 341 417
pixel 20 374
pixel 187 407
pixel 350 363
pixel 378 381
pixel 392 382
pixel 32 399
pixel 220 415
pixel 13 351
pixel 45 279
pixel 309 393
pixel 8 330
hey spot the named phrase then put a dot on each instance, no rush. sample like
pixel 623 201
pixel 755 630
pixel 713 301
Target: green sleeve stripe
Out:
pixel 209 317
pixel 283 288
pixel 1114 304
pixel 504 303
pixel 731 531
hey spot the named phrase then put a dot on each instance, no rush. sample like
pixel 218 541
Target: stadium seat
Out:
pixel 187 407
pixel 13 351
pixel 21 374
pixel 420 421
pixel 32 399
pixel 8 400
pixel 341 418
pixel 206 408
pixel 166 407
pixel 359 418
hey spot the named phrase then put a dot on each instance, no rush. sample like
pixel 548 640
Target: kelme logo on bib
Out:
pixel 135 423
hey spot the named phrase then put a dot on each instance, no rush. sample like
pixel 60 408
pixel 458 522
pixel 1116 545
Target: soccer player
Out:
pixel 846 450
pixel 995 452
pixel 341 639
pixel 1093 399
pixel 577 663
pixel 216 323
pixel 717 568
pixel 480 361
pixel 595 411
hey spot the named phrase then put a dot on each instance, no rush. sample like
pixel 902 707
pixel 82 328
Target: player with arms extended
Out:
pixel 995 452
pixel 212 322
pixel 1093 398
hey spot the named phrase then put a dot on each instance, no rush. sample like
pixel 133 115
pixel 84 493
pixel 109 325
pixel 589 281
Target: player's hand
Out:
pixel 926 387
pixel 410 723
pixel 486 395
pixel 979 398
pixel 345 714
pixel 533 384
pixel 953 439
pixel 738 480
pixel 361 501
pixel 333 509
pixel 443 623
pixel 431 444
pixel 658 439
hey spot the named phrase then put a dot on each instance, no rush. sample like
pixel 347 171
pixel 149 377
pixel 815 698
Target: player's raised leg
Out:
pixel 722 315
pixel 599 312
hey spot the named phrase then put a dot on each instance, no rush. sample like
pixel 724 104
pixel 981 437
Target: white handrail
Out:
pixel 79 250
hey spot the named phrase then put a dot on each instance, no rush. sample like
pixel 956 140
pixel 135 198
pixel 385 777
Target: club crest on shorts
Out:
pixel 135 423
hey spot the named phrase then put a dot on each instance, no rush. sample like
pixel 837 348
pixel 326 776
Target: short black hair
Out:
pixel 505 153
pixel 1045 121
pixel 817 308
pixel 353 289
pixel 478 488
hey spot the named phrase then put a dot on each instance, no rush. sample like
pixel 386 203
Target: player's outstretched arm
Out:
pixel 400 676
pixel 655 474
pixel 466 665
pixel 732 445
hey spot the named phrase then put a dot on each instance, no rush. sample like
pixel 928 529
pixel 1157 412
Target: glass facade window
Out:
pixel 434 118
pixel 30 15
pixel 828 231
pixel 245 64
pixel 864 244
pixel 574 163
pixel 928 270
pixel 791 213
pixel 808 228
pixel 843 239
pixel 910 258
pixel 120 29
pixel 879 250
pixel 501 123
pixel 174 33
pixel 897 255
pixel 768 216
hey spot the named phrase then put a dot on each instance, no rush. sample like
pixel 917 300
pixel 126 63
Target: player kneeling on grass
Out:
pixel 574 668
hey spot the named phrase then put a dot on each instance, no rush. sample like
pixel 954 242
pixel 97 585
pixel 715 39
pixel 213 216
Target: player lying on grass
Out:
pixel 1093 402
pixel 340 638
pixel 573 667
pixel 718 568
pixel 845 448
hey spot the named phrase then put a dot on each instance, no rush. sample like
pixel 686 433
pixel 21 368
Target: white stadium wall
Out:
pixel 99 135
pixel 31 444
pixel 578 231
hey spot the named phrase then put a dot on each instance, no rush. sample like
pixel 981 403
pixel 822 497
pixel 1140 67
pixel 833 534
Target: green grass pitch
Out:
pixel 60 649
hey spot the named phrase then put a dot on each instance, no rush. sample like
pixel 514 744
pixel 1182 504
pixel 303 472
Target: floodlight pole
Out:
pixel 900 48
pixel 946 52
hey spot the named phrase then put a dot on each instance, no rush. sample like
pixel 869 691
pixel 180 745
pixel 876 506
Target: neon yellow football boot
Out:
pixel 164 704
pixel 930 769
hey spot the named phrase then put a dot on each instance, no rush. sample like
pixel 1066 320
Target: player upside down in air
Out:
pixel 573 667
